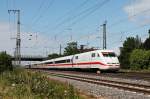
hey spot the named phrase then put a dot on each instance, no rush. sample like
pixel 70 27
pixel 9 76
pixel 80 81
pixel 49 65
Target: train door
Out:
pixel 75 61
pixel 72 61
pixel 93 58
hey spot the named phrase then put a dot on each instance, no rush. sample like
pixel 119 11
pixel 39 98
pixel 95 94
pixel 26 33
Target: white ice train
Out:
pixel 98 59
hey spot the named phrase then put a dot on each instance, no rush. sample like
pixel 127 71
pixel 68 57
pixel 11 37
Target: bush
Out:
pixel 139 59
pixel 23 84
pixel 5 62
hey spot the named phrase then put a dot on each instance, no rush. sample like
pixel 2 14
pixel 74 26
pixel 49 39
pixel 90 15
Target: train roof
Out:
pixel 96 51
pixel 65 57
pixel 102 50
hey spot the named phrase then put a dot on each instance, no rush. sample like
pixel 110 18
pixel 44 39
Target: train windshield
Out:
pixel 109 54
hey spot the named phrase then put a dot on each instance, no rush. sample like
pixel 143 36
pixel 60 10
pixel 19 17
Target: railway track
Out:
pixel 145 89
pixel 124 75
pixel 134 76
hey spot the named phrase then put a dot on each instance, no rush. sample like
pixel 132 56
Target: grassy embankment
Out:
pixel 23 84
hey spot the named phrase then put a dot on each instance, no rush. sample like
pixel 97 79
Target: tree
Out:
pixel 5 62
pixel 139 59
pixel 146 44
pixel 72 48
pixel 129 45
pixel 138 42
pixel 54 55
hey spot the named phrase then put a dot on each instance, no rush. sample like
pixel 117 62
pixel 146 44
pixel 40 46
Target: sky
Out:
pixel 45 24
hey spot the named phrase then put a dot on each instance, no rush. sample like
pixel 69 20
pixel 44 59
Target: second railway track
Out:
pixel 139 88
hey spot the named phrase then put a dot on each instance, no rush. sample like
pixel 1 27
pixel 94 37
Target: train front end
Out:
pixel 111 61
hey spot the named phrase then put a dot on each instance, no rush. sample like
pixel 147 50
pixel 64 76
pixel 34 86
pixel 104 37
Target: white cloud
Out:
pixel 140 8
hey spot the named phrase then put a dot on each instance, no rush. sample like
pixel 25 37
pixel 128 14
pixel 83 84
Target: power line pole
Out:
pixel 104 35
pixel 17 54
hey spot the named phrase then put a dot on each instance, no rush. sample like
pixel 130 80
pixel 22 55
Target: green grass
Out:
pixel 23 84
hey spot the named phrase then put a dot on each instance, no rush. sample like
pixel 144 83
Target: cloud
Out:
pixel 31 43
pixel 140 9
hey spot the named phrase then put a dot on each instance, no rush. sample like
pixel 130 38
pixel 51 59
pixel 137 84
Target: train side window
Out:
pixel 76 57
pixel 63 61
pixel 93 54
pixel 49 63
pixel 98 55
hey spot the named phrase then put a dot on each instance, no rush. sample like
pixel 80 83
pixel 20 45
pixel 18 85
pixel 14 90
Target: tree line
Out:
pixel 135 54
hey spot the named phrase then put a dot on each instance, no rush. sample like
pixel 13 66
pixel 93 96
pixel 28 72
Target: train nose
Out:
pixel 112 61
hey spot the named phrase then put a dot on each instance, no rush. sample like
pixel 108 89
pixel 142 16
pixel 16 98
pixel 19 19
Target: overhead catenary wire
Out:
pixel 36 20
pixel 127 35
pixel 86 0
pixel 110 26
pixel 131 29
pixel 70 12
pixel 38 10
pixel 97 5
pixel 124 19
pixel 86 15
pixel 126 32
pixel 14 4
pixel 139 27
pixel 91 9
pixel 79 14
pixel 89 13
pixel 7 5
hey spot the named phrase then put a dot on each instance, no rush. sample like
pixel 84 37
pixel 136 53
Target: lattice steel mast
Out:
pixel 17 53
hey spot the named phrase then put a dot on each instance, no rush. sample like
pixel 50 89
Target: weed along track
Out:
pixel 139 88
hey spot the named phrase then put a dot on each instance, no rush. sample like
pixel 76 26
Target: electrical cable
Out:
pixel 90 12
pixel 38 10
pixel 124 20
pixel 69 12
pixel 42 14
pixel 80 14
